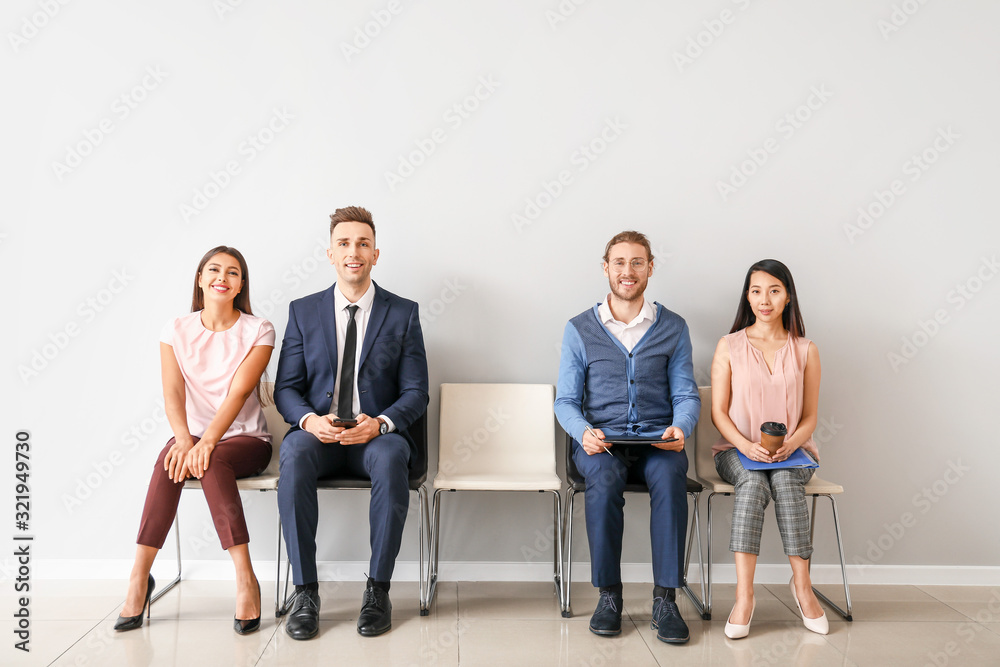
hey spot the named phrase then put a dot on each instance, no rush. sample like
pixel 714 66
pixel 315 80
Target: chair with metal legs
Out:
pixel 577 484
pixel 417 478
pixel 496 437
pixel 266 481
pixel 705 470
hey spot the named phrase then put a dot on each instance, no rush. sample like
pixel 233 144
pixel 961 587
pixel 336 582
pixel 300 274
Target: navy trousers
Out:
pixel 665 473
pixel 304 460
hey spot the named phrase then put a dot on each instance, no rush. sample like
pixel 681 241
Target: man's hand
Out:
pixel 322 428
pixel 365 431
pixel 672 432
pixel 593 445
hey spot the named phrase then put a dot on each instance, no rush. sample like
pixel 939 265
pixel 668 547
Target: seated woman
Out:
pixel 211 362
pixel 766 370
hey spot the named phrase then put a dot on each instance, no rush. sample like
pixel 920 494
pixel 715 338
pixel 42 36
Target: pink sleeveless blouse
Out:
pixel 759 395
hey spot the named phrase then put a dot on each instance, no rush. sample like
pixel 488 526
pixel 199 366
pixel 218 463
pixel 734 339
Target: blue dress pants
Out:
pixel 304 460
pixel 665 473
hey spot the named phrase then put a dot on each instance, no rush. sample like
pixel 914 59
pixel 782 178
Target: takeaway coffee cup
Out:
pixel 772 436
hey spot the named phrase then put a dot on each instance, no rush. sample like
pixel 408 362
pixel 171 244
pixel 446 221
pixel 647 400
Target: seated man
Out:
pixel 350 352
pixel 626 370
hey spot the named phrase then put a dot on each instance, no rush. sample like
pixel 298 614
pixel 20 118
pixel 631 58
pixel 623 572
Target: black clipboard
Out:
pixel 635 440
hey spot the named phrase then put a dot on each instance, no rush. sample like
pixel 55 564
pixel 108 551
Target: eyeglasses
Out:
pixel 620 264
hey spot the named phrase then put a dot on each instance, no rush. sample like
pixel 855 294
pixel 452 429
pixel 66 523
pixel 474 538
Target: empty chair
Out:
pixel 496 437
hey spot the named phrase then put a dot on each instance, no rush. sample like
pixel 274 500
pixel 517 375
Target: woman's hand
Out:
pixel 198 458
pixel 756 452
pixel 175 460
pixel 786 450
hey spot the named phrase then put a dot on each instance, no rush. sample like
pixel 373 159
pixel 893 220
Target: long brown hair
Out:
pixel 791 317
pixel 241 302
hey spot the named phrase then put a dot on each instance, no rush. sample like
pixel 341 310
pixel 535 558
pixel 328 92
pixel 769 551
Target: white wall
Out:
pixel 447 230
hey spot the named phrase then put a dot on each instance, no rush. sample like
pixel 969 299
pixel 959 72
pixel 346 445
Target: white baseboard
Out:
pixel 722 573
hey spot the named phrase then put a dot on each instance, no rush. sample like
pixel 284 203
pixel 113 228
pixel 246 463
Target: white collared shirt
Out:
pixel 627 334
pixel 361 319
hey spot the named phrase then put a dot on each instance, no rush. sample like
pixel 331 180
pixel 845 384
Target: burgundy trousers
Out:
pixel 241 456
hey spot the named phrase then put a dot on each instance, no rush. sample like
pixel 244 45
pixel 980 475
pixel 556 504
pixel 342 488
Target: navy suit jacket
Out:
pixel 392 371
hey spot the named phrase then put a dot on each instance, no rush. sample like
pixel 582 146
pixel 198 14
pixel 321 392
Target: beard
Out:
pixel 635 295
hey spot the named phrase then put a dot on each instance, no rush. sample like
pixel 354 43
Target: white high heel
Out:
pixel 818 625
pixel 734 631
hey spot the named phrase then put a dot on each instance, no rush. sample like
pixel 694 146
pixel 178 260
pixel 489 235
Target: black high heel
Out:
pixel 245 627
pixel 132 622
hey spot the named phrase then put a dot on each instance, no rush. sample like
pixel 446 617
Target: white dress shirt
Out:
pixel 361 318
pixel 627 334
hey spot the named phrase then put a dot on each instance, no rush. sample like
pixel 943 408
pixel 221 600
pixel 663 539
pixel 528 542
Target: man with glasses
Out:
pixel 626 371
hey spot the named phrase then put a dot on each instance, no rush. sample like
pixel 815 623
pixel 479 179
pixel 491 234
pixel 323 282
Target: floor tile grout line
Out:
pixel 80 639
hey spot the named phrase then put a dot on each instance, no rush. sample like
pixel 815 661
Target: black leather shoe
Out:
pixel 303 619
pixel 132 622
pixel 667 622
pixel 376 612
pixel 607 618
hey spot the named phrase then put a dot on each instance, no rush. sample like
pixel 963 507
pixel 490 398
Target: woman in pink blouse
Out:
pixel 765 370
pixel 211 363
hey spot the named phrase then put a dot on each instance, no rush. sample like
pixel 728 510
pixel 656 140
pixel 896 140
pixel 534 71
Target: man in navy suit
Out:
pixel 351 352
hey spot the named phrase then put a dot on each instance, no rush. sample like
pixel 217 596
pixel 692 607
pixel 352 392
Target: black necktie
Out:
pixel 345 404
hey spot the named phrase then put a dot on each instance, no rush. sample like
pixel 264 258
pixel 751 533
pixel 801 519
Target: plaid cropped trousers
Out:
pixel 754 490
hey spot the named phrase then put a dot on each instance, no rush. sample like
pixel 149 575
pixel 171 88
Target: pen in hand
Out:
pixel 595 435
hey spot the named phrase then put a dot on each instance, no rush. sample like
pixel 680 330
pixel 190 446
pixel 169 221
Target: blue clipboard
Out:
pixel 799 459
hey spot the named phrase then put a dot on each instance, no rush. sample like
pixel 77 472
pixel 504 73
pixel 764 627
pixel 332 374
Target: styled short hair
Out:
pixel 352 214
pixel 628 237
pixel 791 316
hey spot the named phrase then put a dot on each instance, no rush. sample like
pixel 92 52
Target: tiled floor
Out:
pixel 507 624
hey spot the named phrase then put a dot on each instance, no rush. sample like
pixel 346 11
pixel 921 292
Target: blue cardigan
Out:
pixel 642 392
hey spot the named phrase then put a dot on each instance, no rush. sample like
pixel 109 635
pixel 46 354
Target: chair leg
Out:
pixel 423 537
pixel 281 598
pixel 177 579
pixel 567 611
pixel 708 564
pixel 695 533
pixel 848 616
pixel 557 553
pixel 435 547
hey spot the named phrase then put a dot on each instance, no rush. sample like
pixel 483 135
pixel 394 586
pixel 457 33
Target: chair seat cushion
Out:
pixel 715 484
pixel 265 482
pixel 498 482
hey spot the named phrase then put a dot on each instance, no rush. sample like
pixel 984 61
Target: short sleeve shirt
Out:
pixel 208 361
